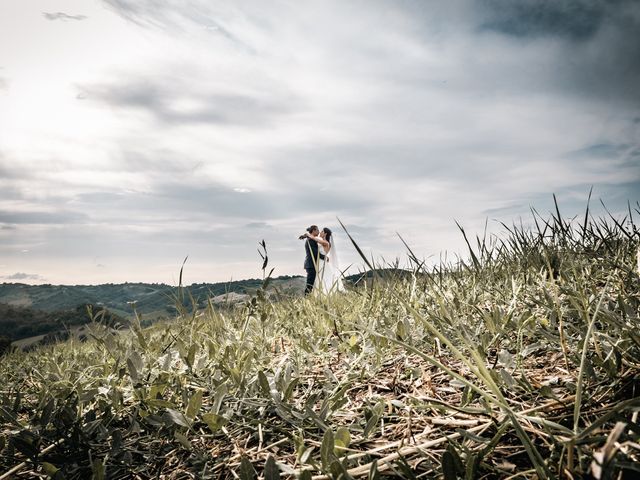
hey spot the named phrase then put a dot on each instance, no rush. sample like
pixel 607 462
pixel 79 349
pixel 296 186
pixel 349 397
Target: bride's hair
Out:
pixel 327 232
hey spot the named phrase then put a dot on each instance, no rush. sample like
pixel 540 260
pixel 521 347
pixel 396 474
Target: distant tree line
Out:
pixel 22 322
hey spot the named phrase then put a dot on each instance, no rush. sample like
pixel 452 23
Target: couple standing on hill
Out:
pixel 323 270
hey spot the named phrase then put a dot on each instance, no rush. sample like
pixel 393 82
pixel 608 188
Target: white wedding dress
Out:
pixel 329 278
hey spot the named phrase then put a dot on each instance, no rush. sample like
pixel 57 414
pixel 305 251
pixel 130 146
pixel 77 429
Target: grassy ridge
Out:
pixel 29 310
pixel 149 297
pixel 522 362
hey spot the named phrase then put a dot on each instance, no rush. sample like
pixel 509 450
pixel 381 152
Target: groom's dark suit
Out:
pixel 311 262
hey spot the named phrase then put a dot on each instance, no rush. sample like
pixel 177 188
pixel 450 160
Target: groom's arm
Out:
pixel 306 236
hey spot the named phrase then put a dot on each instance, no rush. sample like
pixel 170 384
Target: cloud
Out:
pixel 23 276
pixel 42 217
pixel 63 16
pixel 600 37
pixel 573 19
pixel 608 151
pixel 173 100
pixel 230 121
pixel 258 225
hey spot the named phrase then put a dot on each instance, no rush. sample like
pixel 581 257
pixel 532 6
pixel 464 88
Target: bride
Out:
pixel 329 277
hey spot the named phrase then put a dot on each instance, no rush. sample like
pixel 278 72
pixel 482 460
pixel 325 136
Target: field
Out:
pixel 522 362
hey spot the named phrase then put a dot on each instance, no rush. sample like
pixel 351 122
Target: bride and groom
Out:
pixel 323 270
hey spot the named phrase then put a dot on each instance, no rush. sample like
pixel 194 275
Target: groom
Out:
pixel 312 257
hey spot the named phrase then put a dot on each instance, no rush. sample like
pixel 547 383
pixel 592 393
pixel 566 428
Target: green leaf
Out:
pixel 177 418
pixel 289 390
pixel 191 355
pixel 45 416
pixel 326 450
pixel 271 470
pixel 305 454
pixel 338 470
pixel 401 331
pixel 98 470
pixel 27 443
pixel 214 421
pixel 52 471
pixel 371 424
pixel 342 440
pixel 218 397
pixel 471 469
pixel 247 472
pixel 184 441
pixel 160 403
pixel 156 390
pixel 373 471
pixel 405 469
pixel 133 371
pixel 141 339
pixel 9 417
pixel 195 403
pixel 305 475
pixel 264 384
pixel 448 466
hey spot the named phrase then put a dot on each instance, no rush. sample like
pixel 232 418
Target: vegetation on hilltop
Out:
pixel 521 363
pixel 148 297
pixel 22 322
pixel 31 310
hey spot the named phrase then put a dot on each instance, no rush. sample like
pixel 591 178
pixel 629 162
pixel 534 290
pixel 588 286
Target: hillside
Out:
pixel 18 322
pixel 148 297
pixel 522 362
pixel 34 310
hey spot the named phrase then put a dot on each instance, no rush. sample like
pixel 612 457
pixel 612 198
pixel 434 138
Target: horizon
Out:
pixel 144 283
pixel 136 132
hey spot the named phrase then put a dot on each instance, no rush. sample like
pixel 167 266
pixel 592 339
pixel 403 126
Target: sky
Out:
pixel 135 133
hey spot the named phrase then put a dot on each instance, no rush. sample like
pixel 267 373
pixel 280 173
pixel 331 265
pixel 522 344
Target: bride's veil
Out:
pixel 336 281
pixel 333 254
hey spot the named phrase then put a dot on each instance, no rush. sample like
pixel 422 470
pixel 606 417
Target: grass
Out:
pixel 521 363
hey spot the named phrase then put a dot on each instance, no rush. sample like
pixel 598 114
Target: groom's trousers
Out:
pixel 311 279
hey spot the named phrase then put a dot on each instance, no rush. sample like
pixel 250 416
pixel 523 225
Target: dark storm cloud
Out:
pixel 597 53
pixel 601 56
pixel 574 19
pixel 161 99
pixel 62 16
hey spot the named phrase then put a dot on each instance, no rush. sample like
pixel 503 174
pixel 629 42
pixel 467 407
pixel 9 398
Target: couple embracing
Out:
pixel 321 264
